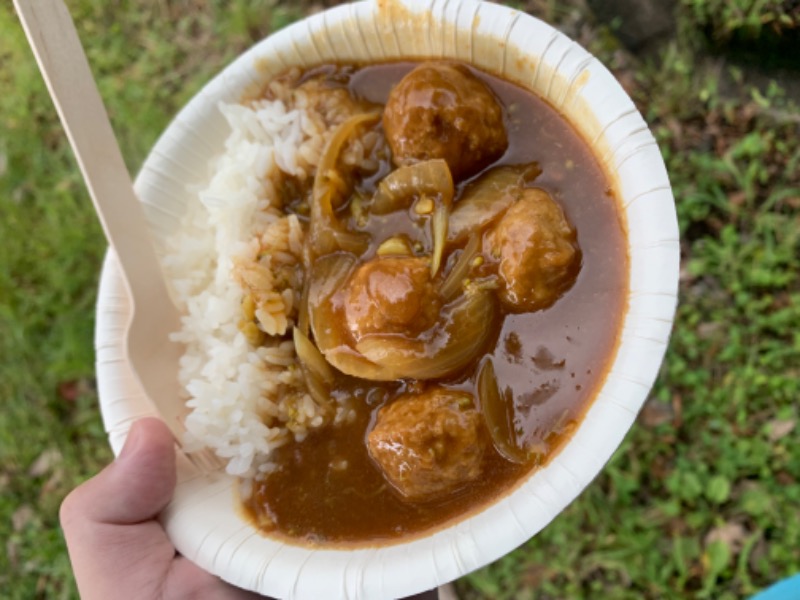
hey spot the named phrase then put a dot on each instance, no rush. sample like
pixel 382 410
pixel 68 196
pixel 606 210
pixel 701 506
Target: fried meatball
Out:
pixel 538 253
pixel 441 110
pixel 391 295
pixel 429 444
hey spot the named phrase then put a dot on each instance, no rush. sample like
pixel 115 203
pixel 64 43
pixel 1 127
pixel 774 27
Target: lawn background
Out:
pixel 703 498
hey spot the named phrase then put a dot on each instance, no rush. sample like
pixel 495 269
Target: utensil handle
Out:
pixel 65 68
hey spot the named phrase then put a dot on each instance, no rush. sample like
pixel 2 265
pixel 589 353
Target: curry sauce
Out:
pixel 549 362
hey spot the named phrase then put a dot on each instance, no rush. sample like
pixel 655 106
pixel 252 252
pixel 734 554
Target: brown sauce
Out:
pixel 552 361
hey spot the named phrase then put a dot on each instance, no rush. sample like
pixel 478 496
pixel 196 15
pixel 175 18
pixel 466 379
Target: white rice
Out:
pixel 245 401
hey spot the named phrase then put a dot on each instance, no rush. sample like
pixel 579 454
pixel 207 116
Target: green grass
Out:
pixel 747 19
pixel 48 269
pixel 701 501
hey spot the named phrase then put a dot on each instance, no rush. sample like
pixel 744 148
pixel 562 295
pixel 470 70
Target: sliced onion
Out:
pixel 439 227
pixel 488 198
pixel 311 358
pixel 397 190
pixel 327 174
pixel 355 242
pixel 302 309
pixel 461 334
pixel 498 412
pixel 320 392
pixel 330 190
pixel 352 363
pixel 328 274
pixel 453 283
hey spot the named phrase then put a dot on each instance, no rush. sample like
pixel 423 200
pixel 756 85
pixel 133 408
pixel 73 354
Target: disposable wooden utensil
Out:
pixel 63 64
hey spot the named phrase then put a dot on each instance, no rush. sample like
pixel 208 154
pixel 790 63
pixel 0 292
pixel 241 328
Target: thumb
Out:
pixel 135 487
pixel 108 521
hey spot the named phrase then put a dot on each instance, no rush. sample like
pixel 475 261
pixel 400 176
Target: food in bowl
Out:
pixel 403 286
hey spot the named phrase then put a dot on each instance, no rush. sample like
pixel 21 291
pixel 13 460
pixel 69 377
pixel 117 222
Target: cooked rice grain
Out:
pixel 236 243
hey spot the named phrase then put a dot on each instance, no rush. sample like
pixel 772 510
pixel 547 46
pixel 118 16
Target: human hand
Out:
pixel 117 547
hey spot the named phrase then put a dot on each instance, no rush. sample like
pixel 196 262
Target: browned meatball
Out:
pixel 391 295
pixel 441 110
pixel 429 444
pixel 537 250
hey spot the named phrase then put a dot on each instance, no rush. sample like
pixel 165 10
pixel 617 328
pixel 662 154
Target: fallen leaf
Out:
pixel 685 275
pixel 737 198
pixel 628 81
pixel 677 410
pixel 656 413
pixel 675 128
pixel 12 553
pixel 22 517
pixel 731 534
pixel 53 483
pixel 69 390
pixel 42 584
pixel 677 527
pixel 708 330
pixel 535 575
pixel 778 428
pixel 45 463
pixel 448 592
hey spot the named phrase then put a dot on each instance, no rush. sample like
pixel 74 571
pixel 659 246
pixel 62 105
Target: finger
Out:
pixel 187 580
pixel 116 547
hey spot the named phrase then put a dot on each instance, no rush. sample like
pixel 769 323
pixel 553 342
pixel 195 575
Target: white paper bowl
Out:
pixel 202 520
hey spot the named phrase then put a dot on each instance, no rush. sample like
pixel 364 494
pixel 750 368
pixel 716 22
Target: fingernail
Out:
pixel 132 442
